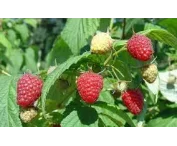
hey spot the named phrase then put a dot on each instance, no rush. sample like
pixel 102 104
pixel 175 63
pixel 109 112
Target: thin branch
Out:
pixel 123 30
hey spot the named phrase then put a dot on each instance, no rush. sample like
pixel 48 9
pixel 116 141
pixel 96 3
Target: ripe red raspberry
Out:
pixel 140 47
pixel 28 90
pixel 89 86
pixel 133 100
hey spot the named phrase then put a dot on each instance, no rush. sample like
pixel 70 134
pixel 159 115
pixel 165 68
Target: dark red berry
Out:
pixel 133 100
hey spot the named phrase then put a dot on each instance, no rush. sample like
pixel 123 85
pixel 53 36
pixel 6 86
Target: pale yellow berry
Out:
pixel 101 43
pixel 27 115
pixel 149 73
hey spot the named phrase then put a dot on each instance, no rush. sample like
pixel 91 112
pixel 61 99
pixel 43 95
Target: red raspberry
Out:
pixel 28 90
pixel 133 100
pixel 140 47
pixel 89 86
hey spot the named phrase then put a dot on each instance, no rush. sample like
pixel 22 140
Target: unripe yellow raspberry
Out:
pixel 150 73
pixel 101 43
pixel 27 115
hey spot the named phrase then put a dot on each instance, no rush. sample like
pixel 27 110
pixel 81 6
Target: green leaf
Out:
pixel 151 26
pixel 30 59
pixel 105 94
pixel 59 53
pixel 153 87
pixel 32 22
pixel 108 121
pixel 122 70
pixel 119 43
pixel 126 59
pixel 108 83
pixel 4 41
pixel 11 36
pixel 16 59
pixel 82 117
pixel 131 22
pixel 166 118
pixel 141 117
pixel 114 112
pixel 77 31
pixel 61 92
pixel 169 24
pixel 162 36
pixel 52 77
pixel 104 24
pixel 106 97
pixel 9 111
pixel 23 31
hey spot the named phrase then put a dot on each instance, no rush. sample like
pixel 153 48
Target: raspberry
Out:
pixel 28 90
pixel 133 100
pixel 101 43
pixel 149 73
pixel 89 86
pixel 140 47
pixel 27 115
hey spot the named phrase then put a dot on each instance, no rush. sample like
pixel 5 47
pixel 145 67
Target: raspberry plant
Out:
pixel 88 72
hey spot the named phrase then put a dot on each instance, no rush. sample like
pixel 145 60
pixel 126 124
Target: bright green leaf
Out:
pixel 11 36
pixel 169 24
pixel 166 118
pixel 30 59
pixel 4 41
pixel 131 22
pixel 82 117
pixel 52 77
pixel 122 70
pixel 151 26
pixel 77 31
pixel 23 31
pixel 162 36
pixel 109 121
pixel 32 22
pixel 16 59
pixel 9 111
pixel 59 53
pixel 106 97
pixel 114 112
pixel 104 24
pixel 119 43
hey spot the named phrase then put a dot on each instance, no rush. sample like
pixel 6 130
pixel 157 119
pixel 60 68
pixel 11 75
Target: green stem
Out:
pixel 117 70
pixel 111 24
pixel 120 50
pixel 115 74
pixel 115 54
pixel 108 59
pixel 154 59
pixel 6 73
pixel 123 31
pixel 110 73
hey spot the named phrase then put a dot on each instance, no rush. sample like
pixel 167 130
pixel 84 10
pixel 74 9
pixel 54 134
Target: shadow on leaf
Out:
pixel 170 86
pixel 87 115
